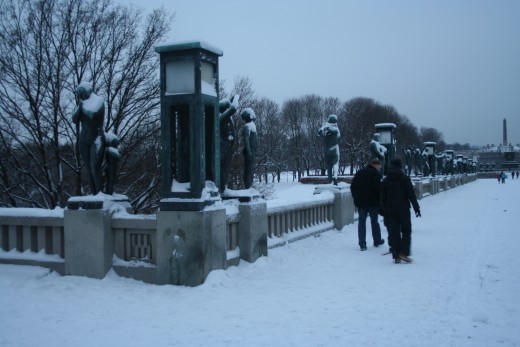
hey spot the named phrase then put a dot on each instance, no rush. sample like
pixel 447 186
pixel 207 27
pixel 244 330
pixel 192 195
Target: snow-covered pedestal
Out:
pixel 99 201
pixel 89 241
pixel 190 244
pixel 252 230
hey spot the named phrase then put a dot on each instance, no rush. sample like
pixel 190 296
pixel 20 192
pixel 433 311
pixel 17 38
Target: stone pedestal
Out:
pixel 99 201
pixel 343 209
pixel 88 242
pixel 190 244
pixel 418 186
pixel 252 230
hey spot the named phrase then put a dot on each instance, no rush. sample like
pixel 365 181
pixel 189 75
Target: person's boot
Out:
pixel 405 258
pixel 363 247
pixel 381 242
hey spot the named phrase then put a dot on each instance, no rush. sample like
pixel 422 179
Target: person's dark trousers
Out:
pixel 362 227
pixel 400 232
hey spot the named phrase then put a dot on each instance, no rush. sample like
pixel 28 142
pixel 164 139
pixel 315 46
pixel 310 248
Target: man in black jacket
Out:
pixel 365 188
pixel 397 194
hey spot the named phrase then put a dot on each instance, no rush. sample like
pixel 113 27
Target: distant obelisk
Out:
pixel 504 136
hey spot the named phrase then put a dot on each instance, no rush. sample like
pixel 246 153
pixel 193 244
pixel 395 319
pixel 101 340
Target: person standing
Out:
pixel 503 177
pixel 397 194
pixel 365 189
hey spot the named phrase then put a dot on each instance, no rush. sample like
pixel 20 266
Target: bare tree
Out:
pixel 433 135
pixel 292 111
pixel 357 124
pixel 47 47
pixel 270 157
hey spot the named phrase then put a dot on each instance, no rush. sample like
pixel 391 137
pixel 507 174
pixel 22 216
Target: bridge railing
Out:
pixel 37 237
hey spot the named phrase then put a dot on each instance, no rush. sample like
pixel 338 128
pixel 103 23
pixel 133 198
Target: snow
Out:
pixel 208 89
pixel 29 255
pixel 382 149
pixel 93 104
pixel 461 290
pixel 32 212
pixel 250 127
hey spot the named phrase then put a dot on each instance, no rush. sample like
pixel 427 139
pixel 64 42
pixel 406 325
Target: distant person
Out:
pixel 397 193
pixel 330 134
pixel 365 189
pixel 503 177
pixel 498 178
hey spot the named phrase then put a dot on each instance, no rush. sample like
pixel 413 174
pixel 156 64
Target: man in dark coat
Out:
pixel 365 191
pixel 397 194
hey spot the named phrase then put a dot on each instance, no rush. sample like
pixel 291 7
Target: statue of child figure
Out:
pixel 112 161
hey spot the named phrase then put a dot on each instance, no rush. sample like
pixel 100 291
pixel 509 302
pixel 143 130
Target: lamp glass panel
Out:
pixel 207 73
pixel 385 136
pixel 180 77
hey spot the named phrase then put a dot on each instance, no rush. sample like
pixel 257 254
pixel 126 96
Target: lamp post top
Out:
pixel 385 125
pixel 187 45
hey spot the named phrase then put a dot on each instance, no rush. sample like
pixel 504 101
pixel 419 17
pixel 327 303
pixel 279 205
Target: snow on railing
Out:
pixel 37 235
pixel 32 234
pixel 294 221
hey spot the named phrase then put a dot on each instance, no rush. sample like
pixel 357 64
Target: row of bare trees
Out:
pixel 47 47
pixel 288 135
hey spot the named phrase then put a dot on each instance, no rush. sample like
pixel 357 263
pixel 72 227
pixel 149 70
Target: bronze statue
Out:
pixel 426 161
pixel 250 145
pixel 417 161
pixel 330 134
pixel 227 137
pixel 90 113
pixel 112 161
pixel 408 160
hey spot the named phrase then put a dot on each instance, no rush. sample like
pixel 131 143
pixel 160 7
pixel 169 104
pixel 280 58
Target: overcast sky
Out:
pixel 449 64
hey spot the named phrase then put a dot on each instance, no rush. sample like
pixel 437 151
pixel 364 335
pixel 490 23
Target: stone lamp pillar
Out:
pixel 191 234
pixel 387 138
pixel 459 163
pixel 431 156
pixel 190 153
pixel 450 156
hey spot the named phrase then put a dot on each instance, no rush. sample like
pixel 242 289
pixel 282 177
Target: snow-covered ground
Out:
pixel 461 290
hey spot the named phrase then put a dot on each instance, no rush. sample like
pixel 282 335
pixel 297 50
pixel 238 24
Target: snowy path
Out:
pixel 461 290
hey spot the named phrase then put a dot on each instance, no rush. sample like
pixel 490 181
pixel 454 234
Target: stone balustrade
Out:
pixel 130 243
